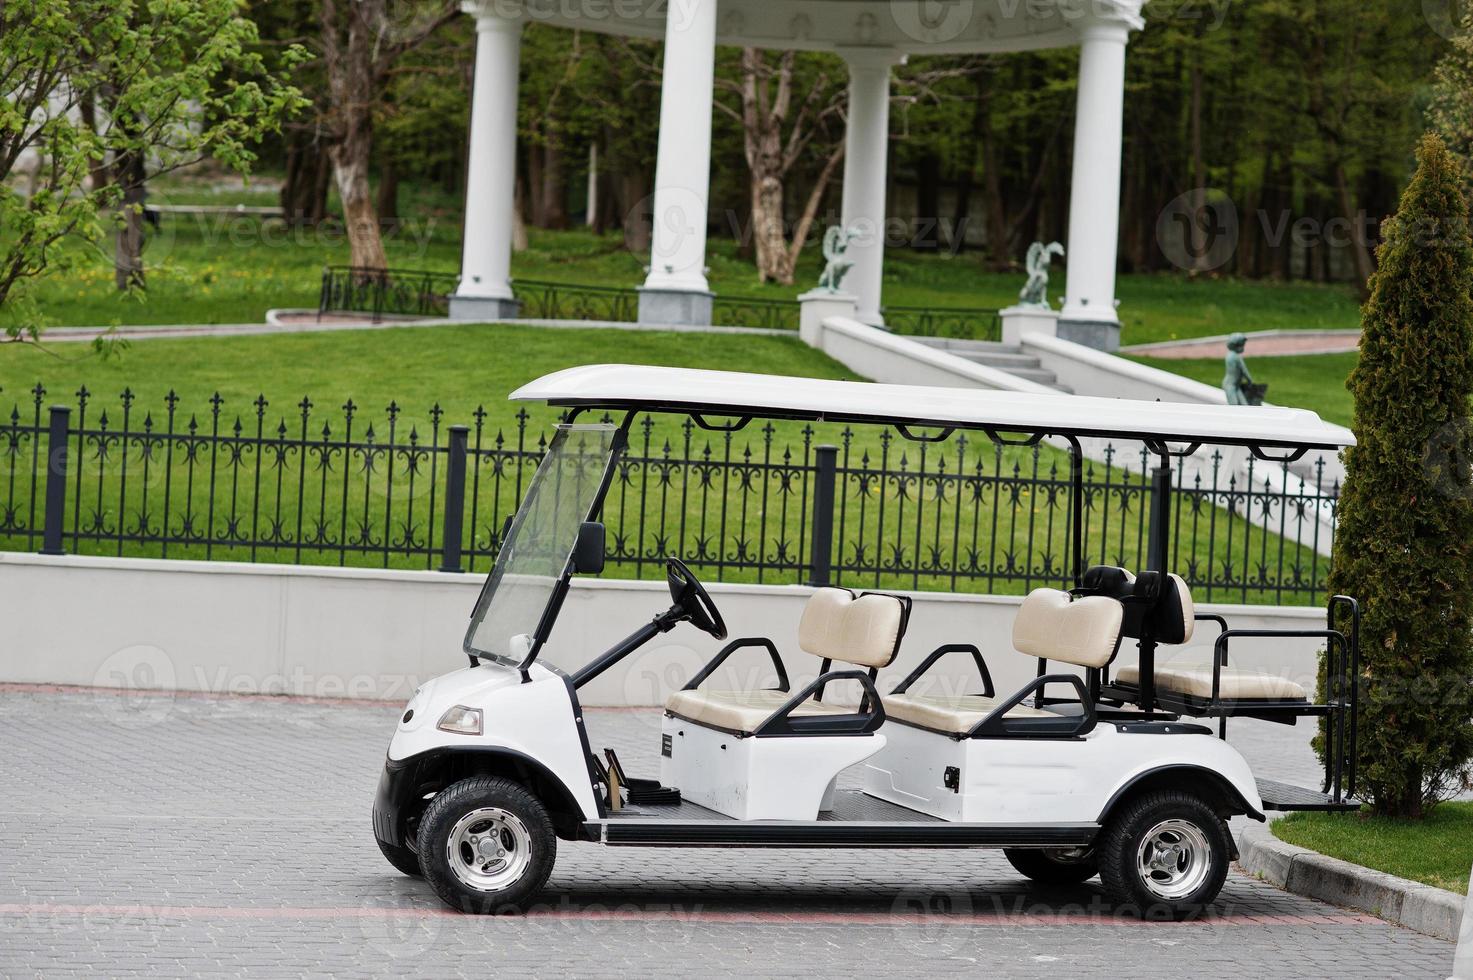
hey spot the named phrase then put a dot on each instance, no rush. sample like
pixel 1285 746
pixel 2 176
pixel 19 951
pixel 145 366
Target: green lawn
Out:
pixel 1436 851
pixel 1313 381
pixel 233 269
pixel 958 514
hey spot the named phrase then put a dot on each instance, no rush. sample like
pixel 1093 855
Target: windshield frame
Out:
pixel 618 442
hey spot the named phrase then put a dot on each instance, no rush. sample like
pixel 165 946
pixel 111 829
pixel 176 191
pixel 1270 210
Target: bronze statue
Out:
pixel 1237 383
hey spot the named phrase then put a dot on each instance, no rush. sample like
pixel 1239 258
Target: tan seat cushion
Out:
pixel 1053 626
pixel 1195 680
pixel 855 629
pixel 955 714
pixel 741 711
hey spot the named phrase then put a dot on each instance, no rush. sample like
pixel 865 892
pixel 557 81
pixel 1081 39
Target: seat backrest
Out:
pixel 864 629
pixel 1052 625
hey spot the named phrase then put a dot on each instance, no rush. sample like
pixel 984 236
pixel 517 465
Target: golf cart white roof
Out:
pixel 725 393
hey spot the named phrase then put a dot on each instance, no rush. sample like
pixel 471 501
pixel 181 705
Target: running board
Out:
pixel 836 833
pixel 1283 796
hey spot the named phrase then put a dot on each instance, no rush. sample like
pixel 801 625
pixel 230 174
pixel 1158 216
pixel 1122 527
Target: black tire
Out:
pixel 522 833
pixel 1191 842
pixel 402 858
pixel 1053 865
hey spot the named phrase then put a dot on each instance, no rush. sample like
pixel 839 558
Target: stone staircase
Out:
pixel 1004 357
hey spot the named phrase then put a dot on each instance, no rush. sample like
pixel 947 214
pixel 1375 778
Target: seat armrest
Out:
pixel 997 725
pixel 1222 627
pixel 732 647
pixel 937 654
pixel 860 723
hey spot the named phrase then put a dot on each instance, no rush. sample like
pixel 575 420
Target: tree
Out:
pixel 92 89
pixel 1452 97
pixel 778 131
pixel 618 101
pixel 362 41
pixel 1404 546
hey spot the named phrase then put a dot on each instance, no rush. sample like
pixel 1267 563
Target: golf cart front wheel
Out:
pixel 1164 854
pixel 486 846
pixel 1054 865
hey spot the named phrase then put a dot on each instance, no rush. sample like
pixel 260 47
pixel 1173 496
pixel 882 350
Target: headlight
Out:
pixel 461 720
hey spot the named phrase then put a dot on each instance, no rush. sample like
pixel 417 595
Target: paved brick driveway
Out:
pixel 171 836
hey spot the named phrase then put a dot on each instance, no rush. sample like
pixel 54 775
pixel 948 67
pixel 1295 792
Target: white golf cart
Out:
pixel 491 764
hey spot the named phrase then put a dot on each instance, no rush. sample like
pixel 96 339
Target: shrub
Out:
pixel 1404 546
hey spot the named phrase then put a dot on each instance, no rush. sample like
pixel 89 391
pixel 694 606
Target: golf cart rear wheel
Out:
pixel 402 858
pixel 486 846
pixel 1164 854
pixel 1054 865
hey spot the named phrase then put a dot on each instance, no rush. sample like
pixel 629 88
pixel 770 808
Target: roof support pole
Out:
pixel 866 155
pixel 1094 202
pixel 484 292
pixel 675 290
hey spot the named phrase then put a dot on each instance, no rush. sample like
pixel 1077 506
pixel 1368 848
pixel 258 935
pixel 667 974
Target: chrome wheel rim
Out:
pixel 489 849
pixel 1174 859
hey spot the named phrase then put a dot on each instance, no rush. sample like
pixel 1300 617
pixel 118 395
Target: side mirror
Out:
pixel 588 553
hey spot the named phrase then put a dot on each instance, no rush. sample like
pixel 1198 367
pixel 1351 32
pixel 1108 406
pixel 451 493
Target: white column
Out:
pixel 866 151
pixel 491 171
pixel 1094 203
pixel 675 290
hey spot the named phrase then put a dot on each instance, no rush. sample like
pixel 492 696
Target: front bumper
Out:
pixel 397 789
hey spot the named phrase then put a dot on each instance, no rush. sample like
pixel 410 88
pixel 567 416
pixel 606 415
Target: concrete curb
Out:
pixel 1422 908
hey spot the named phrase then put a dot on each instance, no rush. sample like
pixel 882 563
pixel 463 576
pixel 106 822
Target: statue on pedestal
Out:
pixel 835 244
pixel 1035 291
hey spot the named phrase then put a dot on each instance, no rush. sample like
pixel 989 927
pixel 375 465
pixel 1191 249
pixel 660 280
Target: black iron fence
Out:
pixel 977 323
pixel 385 292
pixel 412 293
pixel 542 300
pixel 788 503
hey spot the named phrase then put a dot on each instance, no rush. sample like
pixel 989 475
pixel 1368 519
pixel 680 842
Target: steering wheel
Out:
pixel 692 599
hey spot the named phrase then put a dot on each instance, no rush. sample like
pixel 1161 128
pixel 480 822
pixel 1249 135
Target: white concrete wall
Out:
pixel 225 627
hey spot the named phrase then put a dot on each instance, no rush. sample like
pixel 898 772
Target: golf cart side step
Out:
pixel 1283 796
pixel 834 833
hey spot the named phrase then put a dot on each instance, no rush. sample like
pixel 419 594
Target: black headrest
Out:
pixel 1107 580
pixel 1167 619
pixel 1114 582
pixel 1153 603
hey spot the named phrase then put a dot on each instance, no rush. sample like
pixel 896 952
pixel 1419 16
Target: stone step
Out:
pixel 1008 361
pixel 1004 357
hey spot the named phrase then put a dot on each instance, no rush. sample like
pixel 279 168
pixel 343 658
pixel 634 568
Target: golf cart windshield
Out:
pixel 543 533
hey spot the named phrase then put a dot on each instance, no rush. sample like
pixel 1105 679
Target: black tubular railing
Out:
pixel 385 292
pixel 786 503
pixel 953 324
